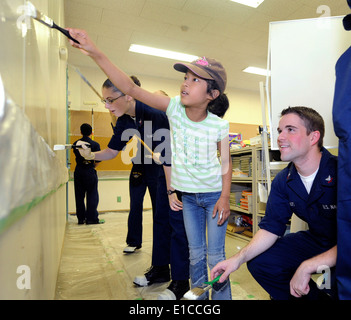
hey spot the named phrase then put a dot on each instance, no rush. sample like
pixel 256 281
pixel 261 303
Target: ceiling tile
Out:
pixel 235 34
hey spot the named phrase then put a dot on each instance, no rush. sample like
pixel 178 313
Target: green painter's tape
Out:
pixel 21 211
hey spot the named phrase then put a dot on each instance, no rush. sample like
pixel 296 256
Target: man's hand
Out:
pixel 261 241
pixel 299 283
pixel 226 267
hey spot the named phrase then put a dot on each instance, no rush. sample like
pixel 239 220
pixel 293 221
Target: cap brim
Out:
pixel 184 67
pixel 347 22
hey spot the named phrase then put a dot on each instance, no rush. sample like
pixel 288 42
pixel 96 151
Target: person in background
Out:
pixel 137 190
pixel 283 264
pixel 86 180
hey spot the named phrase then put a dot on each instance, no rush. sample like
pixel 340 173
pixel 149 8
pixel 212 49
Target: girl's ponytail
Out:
pixel 219 106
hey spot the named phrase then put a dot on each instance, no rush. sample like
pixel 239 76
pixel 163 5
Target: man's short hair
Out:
pixel 86 129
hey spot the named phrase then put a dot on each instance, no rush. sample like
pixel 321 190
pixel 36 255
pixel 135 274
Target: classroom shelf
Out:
pixel 247 161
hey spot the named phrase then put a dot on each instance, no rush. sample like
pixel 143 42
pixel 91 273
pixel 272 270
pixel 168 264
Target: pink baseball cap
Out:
pixel 205 68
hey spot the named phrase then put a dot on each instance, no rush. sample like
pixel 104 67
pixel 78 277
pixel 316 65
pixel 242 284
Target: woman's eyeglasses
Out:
pixel 110 101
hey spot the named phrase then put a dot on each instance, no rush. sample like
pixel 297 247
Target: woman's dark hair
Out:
pixel 312 119
pixel 108 84
pixel 220 105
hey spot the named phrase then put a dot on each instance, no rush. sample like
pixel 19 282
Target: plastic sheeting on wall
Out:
pixel 29 169
pixel 33 115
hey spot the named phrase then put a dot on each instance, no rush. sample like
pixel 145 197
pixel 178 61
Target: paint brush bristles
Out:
pixel 42 18
pixel 196 293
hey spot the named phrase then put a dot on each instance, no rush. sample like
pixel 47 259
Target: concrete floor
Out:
pixel 94 267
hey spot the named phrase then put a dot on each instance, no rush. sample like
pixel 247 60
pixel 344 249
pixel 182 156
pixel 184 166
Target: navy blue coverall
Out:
pixel 86 184
pixel 342 128
pixel 274 268
pixel 170 244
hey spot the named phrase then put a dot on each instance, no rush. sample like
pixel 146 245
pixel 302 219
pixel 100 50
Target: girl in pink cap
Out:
pixel 198 132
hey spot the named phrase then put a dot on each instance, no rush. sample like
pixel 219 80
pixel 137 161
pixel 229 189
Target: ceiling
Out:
pixel 232 33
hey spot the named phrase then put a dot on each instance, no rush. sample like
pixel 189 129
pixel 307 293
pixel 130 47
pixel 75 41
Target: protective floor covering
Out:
pixel 94 267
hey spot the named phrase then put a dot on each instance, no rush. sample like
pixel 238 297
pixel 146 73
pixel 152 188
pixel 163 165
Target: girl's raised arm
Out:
pixel 120 79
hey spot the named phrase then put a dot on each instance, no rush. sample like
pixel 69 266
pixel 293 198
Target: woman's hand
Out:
pixel 86 45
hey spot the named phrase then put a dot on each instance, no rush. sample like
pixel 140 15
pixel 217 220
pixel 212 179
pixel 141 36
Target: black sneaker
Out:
pixel 155 274
pixel 175 290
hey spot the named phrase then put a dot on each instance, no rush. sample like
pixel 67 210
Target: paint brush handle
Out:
pixel 144 144
pixel 155 156
pixel 65 32
pixel 80 146
pixel 89 84
pixel 214 280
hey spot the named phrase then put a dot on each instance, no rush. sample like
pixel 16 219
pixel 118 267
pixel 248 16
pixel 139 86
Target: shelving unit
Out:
pixel 243 160
pixel 247 160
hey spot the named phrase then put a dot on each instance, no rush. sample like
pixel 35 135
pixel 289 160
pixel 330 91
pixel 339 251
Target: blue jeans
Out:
pixel 197 212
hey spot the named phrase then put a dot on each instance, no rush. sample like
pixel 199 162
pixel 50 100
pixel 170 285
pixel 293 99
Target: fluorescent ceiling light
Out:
pixel 250 3
pixel 255 70
pixel 162 53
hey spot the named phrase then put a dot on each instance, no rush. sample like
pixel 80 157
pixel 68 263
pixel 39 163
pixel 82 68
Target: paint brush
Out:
pixel 68 146
pixel 37 15
pixel 155 156
pixel 144 144
pixel 196 293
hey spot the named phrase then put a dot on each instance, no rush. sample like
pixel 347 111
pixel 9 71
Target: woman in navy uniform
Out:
pixel 283 264
pixel 86 181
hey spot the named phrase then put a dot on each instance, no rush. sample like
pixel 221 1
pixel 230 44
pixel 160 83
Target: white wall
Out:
pixel 34 77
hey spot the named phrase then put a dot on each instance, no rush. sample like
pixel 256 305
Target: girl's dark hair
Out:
pixel 220 105
pixel 108 84
pixel 312 119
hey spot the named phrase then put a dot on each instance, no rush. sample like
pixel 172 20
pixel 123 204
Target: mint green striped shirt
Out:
pixel 195 164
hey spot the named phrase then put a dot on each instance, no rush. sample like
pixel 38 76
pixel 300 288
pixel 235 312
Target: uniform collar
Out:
pixel 325 176
pixel 323 170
